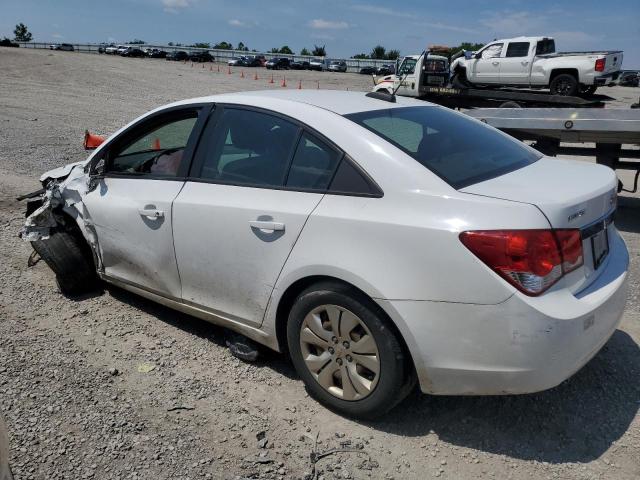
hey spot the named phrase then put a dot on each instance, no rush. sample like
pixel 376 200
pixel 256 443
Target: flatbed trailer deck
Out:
pixel 615 132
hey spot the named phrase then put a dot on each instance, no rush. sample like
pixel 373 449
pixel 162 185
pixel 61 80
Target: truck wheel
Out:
pixel 587 90
pixel 510 104
pixel 459 80
pixel 564 84
pixel 71 260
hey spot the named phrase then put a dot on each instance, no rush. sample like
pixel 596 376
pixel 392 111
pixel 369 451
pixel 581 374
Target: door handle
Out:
pixel 525 63
pixel 495 63
pixel 151 212
pixel 263 225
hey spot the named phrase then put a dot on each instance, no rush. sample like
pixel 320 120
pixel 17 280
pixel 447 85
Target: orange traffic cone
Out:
pixel 203 65
pixel 284 81
pixel 229 71
pixel 156 144
pixel 191 64
pixel 318 84
pixel 211 68
pixel 218 68
pixel 242 74
pixel 300 85
pixel 255 77
pixel 271 81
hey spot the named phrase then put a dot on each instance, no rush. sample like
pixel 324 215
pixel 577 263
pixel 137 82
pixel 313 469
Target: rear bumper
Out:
pixel 521 345
pixel 606 79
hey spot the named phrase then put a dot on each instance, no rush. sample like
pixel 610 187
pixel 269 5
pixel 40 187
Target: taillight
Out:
pixel 531 260
pixel 600 64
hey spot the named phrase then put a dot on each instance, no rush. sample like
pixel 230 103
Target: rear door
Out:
pixel 515 65
pixel 131 206
pixel 256 179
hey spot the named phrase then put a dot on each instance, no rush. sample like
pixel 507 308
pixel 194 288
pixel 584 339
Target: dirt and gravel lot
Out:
pixel 114 386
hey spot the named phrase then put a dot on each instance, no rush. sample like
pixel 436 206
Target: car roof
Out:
pixel 337 101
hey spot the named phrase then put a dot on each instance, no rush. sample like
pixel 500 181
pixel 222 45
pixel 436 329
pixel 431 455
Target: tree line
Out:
pixel 379 52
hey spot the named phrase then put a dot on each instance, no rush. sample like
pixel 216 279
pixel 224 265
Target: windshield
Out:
pixel 458 149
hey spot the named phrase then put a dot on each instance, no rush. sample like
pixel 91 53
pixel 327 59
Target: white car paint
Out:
pixel 532 69
pixel 468 331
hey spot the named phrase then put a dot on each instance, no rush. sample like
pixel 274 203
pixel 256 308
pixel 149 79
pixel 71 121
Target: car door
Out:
pixel 485 68
pixel 515 64
pixel 405 80
pixel 131 205
pixel 255 180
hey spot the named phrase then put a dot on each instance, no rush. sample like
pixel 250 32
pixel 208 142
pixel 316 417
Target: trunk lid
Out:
pixel 570 194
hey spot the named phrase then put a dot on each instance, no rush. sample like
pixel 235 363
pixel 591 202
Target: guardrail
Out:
pixel 353 64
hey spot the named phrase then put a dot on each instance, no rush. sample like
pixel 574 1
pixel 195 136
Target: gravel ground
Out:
pixel 114 386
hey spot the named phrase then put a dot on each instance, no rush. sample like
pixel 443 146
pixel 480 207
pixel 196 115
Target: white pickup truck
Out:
pixel 533 62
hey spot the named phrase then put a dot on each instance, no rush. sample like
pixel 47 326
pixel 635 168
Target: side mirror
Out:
pixel 92 141
pixel 98 168
pixel 468 55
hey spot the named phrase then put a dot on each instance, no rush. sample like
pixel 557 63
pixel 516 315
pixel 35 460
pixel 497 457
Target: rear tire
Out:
pixel 564 84
pixel 71 260
pixel 332 357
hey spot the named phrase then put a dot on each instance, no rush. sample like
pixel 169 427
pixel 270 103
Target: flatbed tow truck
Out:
pixel 544 119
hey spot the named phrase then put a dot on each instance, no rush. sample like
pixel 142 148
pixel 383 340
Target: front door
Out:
pixel 486 68
pixel 131 207
pixel 257 177
pixel 405 82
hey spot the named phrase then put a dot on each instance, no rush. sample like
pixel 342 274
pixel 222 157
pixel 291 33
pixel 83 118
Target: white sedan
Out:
pixel 377 241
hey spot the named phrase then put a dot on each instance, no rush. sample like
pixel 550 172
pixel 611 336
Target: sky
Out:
pixel 346 27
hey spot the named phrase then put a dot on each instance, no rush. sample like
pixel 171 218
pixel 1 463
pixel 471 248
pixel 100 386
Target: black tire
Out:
pixel 459 80
pixel 71 260
pixel 564 84
pixel 396 376
pixel 587 90
pixel 510 104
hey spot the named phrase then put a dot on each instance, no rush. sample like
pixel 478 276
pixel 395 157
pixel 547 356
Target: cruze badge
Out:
pixel 578 214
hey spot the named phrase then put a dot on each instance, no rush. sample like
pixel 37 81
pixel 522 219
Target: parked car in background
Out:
pixel 178 55
pixel 112 49
pixel 337 66
pixel 318 65
pixel 133 52
pixel 629 79
pixel 202 56
pixel 5 470
pixel 278 63
pixel 300 65
pixel 386 69
pixel 102 48
pixel 262 59
pixel 121 48
pixel 251 61
pixel 6 42
pixel 494 270
pixel 532 62
pixel 368 70
pixel 65 47
pixel 234 61
pixel 157 53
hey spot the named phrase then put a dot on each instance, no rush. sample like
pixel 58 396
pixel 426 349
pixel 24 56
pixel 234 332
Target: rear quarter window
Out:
pixel 458 149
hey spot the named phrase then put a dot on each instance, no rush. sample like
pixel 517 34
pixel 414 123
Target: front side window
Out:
pixel 250 148
pixel 408 66
pixel 157 149
pixel 458 149
pixel 518 49
pixel 492 51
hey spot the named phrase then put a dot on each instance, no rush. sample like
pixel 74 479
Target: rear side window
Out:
pixel 458 149
pixel 545 46
pixel 313 164
pixel 250 148
pixel 518 49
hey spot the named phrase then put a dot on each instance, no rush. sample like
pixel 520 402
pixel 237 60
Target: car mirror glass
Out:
pixel 468 55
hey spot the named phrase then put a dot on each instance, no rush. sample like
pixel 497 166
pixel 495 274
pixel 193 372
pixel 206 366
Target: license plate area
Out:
pixel 599 247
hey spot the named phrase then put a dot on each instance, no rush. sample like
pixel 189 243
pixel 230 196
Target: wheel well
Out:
pixel 560 71
pixel 292 292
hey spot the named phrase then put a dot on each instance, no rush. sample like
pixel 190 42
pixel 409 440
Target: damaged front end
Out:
pixel 59 207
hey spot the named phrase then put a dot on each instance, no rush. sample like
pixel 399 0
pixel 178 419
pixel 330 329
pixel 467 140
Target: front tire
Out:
pixel 564 84
pixel 345 351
